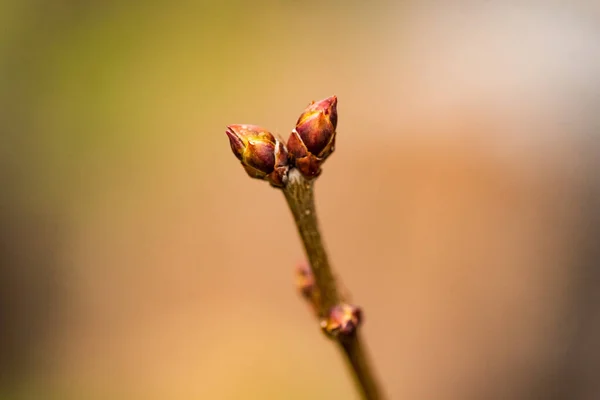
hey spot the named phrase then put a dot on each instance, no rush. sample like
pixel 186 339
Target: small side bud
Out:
pixel 305 282
pixel 343 320
pixel 313 139
pixel 280 172
pixel 261 154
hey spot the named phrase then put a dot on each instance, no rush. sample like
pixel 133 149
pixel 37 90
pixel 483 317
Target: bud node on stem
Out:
pixel 343 320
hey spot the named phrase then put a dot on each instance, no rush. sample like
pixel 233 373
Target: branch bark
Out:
pixel 299 193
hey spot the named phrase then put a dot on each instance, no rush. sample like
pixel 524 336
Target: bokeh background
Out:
pixel 137 260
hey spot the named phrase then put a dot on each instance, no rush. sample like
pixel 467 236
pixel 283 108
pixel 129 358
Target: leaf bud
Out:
pixel 313 139
pixel 343 319
pixel 261 154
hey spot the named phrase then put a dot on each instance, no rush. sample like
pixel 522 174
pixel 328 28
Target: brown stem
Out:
pixel 356 354
pixel 299 194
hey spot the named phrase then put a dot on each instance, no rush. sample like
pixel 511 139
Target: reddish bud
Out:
pixel 261 154
pixel 305 282
pixel 316 126
pixel 343 319
pixel 313 139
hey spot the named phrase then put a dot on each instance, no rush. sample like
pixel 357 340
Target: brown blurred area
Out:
pixel 461 208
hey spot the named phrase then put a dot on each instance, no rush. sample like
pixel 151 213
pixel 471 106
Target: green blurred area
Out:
pixel 85 83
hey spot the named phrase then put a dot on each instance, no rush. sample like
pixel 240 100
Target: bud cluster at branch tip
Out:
pixel 313 139
pixel 343 320
pixel 261 154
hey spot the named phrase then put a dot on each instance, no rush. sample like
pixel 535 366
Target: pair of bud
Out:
pixel 265 157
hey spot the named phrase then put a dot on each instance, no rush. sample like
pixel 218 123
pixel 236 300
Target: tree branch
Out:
pixel 299 194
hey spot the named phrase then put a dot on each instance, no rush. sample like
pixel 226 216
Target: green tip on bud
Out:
pixel 261 154
pixel 313 139
pixel 343 320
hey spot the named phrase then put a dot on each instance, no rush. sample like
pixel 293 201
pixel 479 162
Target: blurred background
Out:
pixel 138 261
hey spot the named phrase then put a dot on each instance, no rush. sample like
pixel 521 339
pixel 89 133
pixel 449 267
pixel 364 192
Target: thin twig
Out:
pixel 299 194
pixel 354 350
